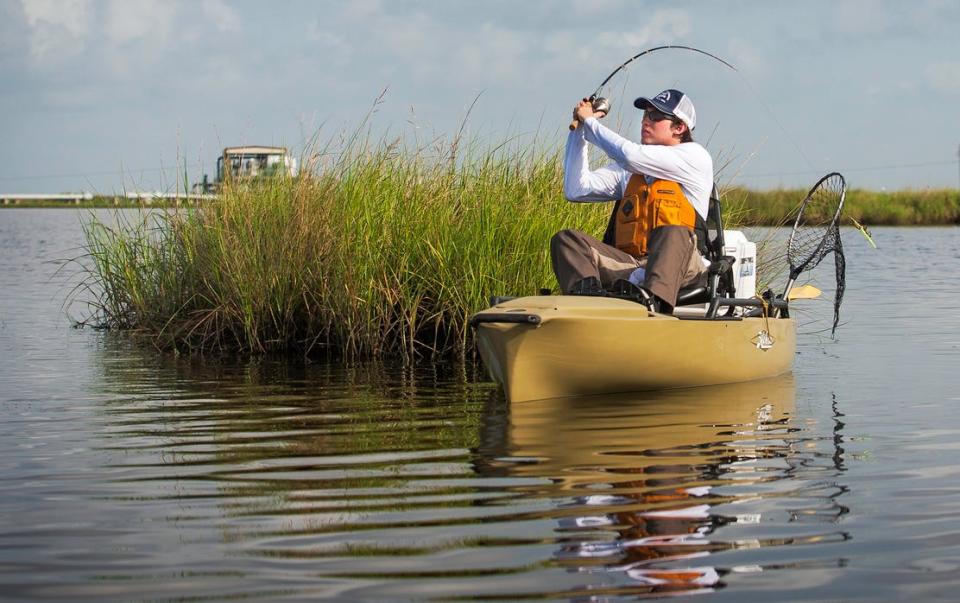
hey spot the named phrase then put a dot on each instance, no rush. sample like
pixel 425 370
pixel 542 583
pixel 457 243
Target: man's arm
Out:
pixel 581 184
pixel 688 164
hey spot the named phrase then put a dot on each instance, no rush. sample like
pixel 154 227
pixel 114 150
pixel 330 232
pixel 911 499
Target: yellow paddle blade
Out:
pixel 804 292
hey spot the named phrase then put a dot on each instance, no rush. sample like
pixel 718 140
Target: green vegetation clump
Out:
pixel 383 251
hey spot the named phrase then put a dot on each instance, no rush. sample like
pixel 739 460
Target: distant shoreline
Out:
pixel 933 207
pixel 96 202
pixel 929 207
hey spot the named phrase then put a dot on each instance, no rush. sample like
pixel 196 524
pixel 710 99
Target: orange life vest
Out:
pixel 645 207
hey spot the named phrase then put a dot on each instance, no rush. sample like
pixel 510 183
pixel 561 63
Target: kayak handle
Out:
pixel 509 317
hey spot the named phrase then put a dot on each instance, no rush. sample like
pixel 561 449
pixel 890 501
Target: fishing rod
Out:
pixel 600 103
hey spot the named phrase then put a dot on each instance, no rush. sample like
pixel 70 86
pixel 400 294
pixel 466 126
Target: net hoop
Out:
pixel 797 267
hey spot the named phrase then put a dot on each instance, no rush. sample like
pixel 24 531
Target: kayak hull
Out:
pixel 557 346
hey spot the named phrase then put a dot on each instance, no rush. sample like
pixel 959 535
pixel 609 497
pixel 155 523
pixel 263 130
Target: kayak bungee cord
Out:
pixel 602 104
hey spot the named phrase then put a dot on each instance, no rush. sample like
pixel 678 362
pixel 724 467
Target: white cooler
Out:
pixel 745 268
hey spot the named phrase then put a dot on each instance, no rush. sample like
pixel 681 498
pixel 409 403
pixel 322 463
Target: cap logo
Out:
pixel 663 97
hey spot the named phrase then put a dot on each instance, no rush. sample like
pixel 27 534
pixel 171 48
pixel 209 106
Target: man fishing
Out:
pixel 662 191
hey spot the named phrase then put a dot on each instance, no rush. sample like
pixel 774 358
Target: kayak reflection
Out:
pixel 639 477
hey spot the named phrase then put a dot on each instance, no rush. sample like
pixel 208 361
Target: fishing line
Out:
pixel 773 116
pixel 600 103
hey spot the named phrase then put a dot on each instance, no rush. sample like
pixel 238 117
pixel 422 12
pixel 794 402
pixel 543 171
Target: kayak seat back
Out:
pixel 718 280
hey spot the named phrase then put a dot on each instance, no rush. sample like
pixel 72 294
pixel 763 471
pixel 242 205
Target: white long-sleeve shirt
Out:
pixel 687 163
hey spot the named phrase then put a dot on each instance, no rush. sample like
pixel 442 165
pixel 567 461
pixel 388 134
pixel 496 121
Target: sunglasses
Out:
pixel 655 115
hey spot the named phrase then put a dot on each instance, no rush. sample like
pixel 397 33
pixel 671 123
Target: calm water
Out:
pixel 132 475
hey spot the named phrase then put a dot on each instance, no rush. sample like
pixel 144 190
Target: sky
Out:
pixel 113 95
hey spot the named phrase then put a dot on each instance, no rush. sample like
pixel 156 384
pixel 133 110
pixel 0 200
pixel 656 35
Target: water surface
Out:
pixel 134 475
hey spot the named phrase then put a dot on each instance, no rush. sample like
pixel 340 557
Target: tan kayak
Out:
pixel 557 346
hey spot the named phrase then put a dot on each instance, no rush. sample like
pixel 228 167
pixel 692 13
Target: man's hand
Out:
pixel 582 111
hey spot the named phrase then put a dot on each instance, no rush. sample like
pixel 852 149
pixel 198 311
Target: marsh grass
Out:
pixel 384 250
pixel 874 208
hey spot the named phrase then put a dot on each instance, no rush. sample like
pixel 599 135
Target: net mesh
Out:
pixel 816 234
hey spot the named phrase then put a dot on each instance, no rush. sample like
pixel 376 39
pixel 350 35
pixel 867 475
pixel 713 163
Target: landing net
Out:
pixel 816 234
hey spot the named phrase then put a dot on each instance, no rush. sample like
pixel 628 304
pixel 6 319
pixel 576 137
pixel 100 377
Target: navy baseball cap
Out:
pixel 672 102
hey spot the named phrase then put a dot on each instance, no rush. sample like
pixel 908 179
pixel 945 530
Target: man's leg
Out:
pixel 577 256
pixel 672 261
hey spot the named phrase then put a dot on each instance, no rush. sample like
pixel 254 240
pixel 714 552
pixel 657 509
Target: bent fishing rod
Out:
pixel 601 104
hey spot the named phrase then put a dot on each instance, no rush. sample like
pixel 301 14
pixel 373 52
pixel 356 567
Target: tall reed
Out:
pixel 386 249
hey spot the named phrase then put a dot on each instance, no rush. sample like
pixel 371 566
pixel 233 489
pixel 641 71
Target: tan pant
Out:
pixel 672 261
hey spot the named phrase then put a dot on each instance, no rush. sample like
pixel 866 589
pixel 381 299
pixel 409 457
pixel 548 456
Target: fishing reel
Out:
pixel 599 103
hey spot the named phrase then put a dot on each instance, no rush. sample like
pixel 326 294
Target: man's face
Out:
pixel 658 128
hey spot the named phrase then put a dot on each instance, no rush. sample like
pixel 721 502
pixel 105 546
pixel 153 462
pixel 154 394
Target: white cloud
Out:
pixel 598 7
pixel 944 77
pixel 931 17
pixel 71 15
pixel 76 96
pixel 58 28
pixel 863 17
pixel 875 18
pixel 223 17
pixel 139 33
pixel 363 9
pixel 333 47
pixel 491 55
pixel 410 35
pixel 139 20
pixel 746 57
pixel 120 33
pixel 663 25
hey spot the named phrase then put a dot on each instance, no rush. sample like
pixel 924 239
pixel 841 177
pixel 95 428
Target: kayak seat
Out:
pixel 718 280
pixel 704 293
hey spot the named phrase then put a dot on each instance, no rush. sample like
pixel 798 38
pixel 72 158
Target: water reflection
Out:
pixel 373 482
pixel 655 485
